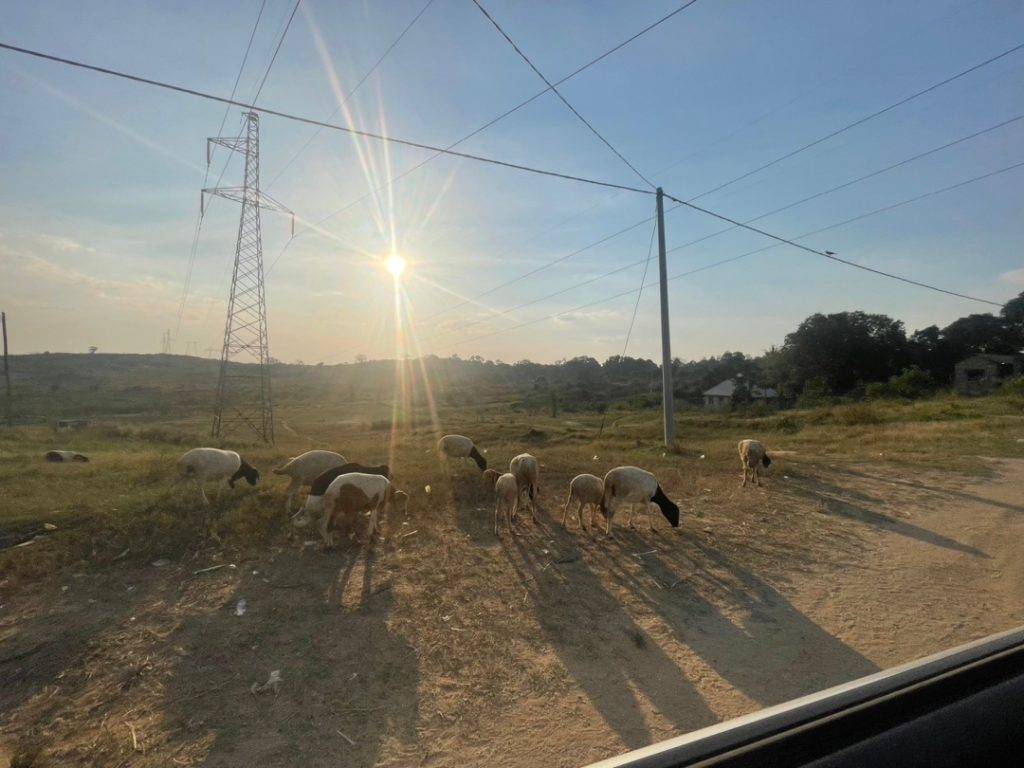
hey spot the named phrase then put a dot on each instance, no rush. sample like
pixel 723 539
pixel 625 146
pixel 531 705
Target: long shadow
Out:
pixel 348 683
pixel 473 501
pixel 49 648
pixel 972 497
pixel 740 625
pixel 611 658
pixel 831 497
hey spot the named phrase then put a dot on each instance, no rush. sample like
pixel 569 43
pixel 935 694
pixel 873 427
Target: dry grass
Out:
pixel 419 646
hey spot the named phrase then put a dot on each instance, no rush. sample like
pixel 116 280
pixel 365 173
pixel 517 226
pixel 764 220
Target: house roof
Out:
pixel 992 358
pixel 727 387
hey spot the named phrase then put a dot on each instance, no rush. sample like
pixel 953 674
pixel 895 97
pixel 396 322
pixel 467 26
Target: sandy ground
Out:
pixel 441 645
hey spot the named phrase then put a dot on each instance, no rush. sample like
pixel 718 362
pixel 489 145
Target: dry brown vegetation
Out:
pixel 440 644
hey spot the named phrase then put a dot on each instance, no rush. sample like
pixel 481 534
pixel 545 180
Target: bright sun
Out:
pixel 395 265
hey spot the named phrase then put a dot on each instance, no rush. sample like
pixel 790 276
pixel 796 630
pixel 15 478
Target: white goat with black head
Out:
pixel 632 485
pixel 203 464
pixel 460 447
pixel 753 456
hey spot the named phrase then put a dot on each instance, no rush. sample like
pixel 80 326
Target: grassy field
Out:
pixel 121 500
pixel 438 643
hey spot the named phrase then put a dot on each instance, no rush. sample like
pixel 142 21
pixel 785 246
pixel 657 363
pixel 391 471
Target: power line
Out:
pixel 830 256
pixel 861 121
pixel 640 292
pixel 815 196
pixel 259 90
pixel 277 50
pixel 541 268
pixel 857 180
pixel 352 93
pixel 558 93
pixel 503 115
pixel 311 121
pixel 206 174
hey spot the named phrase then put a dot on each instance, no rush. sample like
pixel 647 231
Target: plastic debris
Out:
pixel 160 563
pixel 214 568
pixel 49 526
pixel 272 684
pixel 240 608
pixel 593 458
pixel 426 490
pixel 702 455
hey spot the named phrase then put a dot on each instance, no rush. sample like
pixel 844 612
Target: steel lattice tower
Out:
pixel 243 391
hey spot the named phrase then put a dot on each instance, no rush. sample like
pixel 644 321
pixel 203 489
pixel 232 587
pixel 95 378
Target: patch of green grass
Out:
pixel 121 500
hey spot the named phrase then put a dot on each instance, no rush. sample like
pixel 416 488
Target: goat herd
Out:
pixel 340 490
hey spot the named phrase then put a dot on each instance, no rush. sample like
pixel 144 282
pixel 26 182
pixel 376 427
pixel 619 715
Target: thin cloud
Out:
pixel 1013 277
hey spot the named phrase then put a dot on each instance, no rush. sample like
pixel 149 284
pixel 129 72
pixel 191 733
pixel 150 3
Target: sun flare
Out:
pixel 395 265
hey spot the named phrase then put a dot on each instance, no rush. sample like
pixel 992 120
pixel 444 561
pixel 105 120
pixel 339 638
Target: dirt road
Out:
pixel 444 646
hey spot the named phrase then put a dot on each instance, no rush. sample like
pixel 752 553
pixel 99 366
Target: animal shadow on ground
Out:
pixel 929 491
pixel 836 500
pixel 321 620
pixel 734 620
pixel 56 635
pixel 600 644
pixel 473 502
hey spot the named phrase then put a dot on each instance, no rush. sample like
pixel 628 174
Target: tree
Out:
pixel 360 359
pixel 845 349
pixel 92 350
pixel 1012 315
pixel 978 333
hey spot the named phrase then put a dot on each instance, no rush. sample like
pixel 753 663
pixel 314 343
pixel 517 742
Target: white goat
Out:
pixel 586 490
pixel 506 497
pixel 526 471
pixel 359 492
pixel 460 447
pixel 203 464
pixel 304 469
pixel 633 485
pixel 59 456
pixel 752 457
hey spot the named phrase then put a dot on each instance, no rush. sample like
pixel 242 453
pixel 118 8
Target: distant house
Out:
pixel 982 373
pixel 721 394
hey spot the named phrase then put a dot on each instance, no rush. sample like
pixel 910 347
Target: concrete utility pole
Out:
pixel 668 401
pixel 7 371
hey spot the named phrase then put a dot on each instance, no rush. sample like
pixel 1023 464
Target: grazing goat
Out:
pixel 633 485
pixel 459 447
pixel 506 497
pixel 356 492
pixel 314 503
pixel 586 490
pixel 491 476
pixel 306 468
pixel 203 464
pixel 59 456
pixel 752 456
pixel 526 471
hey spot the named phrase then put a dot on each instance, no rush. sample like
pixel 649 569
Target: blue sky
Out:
pixel 102 177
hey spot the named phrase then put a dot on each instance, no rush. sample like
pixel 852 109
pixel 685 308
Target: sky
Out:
pixel 102 176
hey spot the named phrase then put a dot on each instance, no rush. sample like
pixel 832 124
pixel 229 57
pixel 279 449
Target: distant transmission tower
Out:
pixel 191 348
pixel 243 391
pixel 165 343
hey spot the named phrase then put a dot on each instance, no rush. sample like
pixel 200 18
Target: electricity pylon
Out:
pixel 243 391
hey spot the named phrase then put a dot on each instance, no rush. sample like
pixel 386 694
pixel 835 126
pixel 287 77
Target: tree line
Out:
pixel 843 354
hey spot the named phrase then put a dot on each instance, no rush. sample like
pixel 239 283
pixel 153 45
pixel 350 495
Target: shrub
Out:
pixel 787 425
pixel 911 384
pixel 859 413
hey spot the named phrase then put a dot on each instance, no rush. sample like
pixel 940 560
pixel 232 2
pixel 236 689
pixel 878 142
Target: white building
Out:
pixel 721 394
